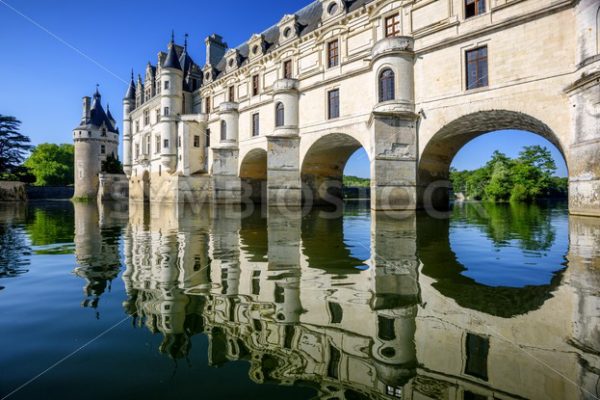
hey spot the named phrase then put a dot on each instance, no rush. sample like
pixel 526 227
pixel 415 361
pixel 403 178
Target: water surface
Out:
pixel 181 301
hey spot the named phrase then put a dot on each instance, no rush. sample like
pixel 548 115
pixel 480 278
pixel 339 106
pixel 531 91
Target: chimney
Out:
pixel 86 109
pixel 215 49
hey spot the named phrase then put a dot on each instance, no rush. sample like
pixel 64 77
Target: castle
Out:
pixel 276 118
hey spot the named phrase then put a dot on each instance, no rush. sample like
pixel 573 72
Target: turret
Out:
pixel 171 103
pixel 95 138
pixel 128 106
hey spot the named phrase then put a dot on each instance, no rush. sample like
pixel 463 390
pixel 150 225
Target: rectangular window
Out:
pixel 102 149
pixel 137 126
pixel 207 105
pixel 474 7
pixel 166 85
pixel 166 143
pixel 255 85
pixel 196 141
pixel 166 111
pixel 287 69
pixel 477 68
pixel 178 141
pixel 255 124
pixel 333 56
pixel 207 143
pixel 232 94
pixel 146 117
pixel 477 348
pixel 392 25
pixel 333 104
pixel 157 145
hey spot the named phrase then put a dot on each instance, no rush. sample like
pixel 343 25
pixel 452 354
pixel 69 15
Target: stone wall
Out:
pixel 12 191
pixel 113 187
pixel 50 192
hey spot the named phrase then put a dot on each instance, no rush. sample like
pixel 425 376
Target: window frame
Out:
pixel 333 53
pixel 479 8
pixel 223 130
pixel 383 89
pixel 395 25
pixel 255 85
pixel 207 105
pixel 255 124
pixel 231 94
pixel 288 72
pixel 166 111
pixel 481 77
pixel 279 115
pixel 333 103
pixel 197 141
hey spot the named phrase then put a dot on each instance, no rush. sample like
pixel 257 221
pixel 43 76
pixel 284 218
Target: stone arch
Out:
pixel 253 174
pixel 323 162
pixel 439 151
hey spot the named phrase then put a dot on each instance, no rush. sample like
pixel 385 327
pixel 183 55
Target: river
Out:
pixel 494 301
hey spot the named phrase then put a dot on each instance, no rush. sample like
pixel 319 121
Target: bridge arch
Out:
pixel 253 174
pixel 438 152
pixel 322 163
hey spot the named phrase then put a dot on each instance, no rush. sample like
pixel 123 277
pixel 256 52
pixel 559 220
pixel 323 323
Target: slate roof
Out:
pixel 308 19
pixel 98 117
pixel 172 60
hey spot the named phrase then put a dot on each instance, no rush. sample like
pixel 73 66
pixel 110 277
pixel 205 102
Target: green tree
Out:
pixel 500 183
pixel 112 165
pixel 52 164
pixel 532 173
pixel 13 146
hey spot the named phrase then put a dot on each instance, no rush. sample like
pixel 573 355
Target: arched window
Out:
pixel 223 130
pixel 279 114
pixel 386 85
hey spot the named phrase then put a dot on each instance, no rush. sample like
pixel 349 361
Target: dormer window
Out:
pixel 287 32
pixel 332 9
pixel 104 132
pixel 255 49
pixel 207 76
pixel 231 63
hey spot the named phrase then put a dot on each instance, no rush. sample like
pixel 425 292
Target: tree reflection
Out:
pixel 52 226
pixel 14 247
pixel 528 224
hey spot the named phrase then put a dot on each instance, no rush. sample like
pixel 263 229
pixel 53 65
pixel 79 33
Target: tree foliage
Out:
pixel 52 164
pixel 525 178
pixel 13 146
pixel 112 165
pixel 355 181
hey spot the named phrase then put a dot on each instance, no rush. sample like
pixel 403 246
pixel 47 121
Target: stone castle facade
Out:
pixel 277 117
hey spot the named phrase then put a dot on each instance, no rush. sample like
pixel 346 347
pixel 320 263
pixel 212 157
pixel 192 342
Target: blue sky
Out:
pixel 44 79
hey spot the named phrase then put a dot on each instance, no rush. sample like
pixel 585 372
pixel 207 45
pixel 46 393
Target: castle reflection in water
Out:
pixel 289 295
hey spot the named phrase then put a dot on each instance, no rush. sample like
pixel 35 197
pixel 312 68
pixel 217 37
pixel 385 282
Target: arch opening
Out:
pixel 323 167
pixel 253 174
pixel 439 152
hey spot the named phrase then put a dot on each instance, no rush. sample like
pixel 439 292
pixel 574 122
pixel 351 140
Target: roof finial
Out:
pixel 132 74
pixel 172 36
pixel 185 42
pixel 97 91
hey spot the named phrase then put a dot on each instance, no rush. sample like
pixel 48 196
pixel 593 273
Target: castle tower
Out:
pixel 171 102
pixel 128 106
pixel 95 139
